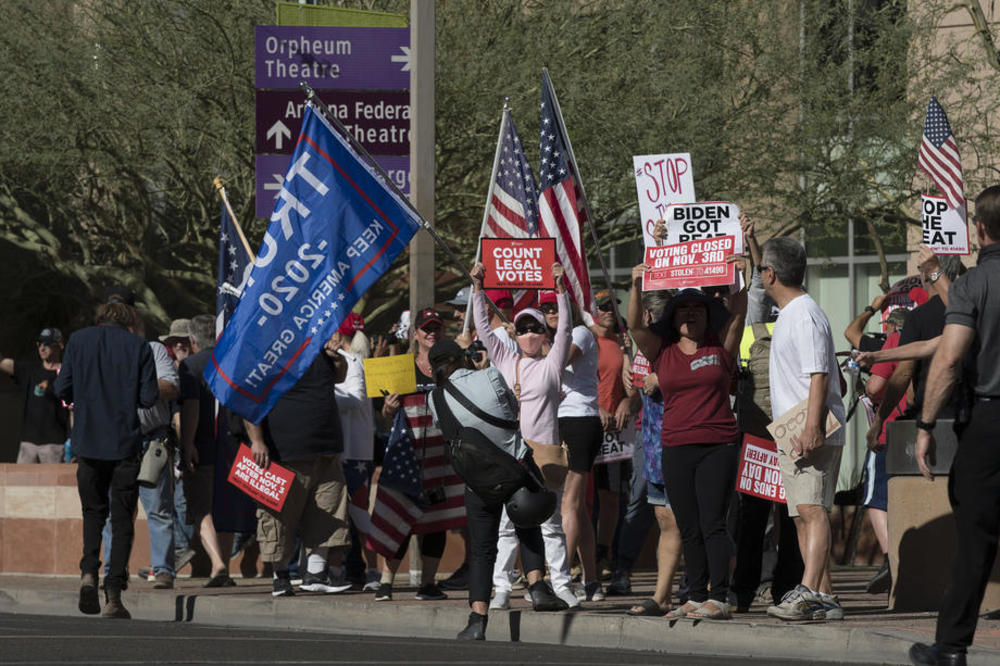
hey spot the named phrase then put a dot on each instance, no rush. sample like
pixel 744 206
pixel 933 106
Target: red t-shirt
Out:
pixel 695 392
pixel 610 385
pixel 885 371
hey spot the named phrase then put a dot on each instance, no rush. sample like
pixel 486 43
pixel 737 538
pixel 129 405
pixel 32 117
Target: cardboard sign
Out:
pixel 695 221
pixel 792 423
pixel 518 263
pixel 390 374
pixel 759 474
pixel 641 368
pixel 617 445
pixel 268 486
pixel 661 180
pixel 946 230
pixel 697 263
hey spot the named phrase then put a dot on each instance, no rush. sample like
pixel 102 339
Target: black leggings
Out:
pixel 484 529
pixel 699 480
pixel 431 545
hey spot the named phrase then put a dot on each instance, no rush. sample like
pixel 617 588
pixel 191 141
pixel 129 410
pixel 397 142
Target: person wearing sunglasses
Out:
pixel 536 378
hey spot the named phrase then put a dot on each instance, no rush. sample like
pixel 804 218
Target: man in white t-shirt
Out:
pixel 803 367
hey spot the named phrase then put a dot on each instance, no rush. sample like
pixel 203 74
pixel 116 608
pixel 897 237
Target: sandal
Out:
pixel 713 610
pixel 685 610
pixel 649 608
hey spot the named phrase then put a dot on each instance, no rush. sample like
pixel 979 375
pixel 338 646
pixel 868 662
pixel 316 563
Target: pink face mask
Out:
pixel 530 343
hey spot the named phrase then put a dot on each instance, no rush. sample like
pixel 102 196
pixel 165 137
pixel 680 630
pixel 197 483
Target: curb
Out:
pixel 816 642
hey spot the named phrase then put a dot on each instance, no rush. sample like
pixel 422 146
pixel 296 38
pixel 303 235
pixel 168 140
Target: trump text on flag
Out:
pixel 697 263
pixel 518 263
pixel 945 230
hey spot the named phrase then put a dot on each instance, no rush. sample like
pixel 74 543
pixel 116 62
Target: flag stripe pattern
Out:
pixel 560 206
pixel 436 471
pixel 939 155
pixel 396 510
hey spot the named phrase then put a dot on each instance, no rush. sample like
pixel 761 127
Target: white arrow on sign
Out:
pixel 279 181
pixel 405 58
pixel 279 130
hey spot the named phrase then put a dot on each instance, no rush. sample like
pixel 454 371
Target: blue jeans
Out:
pixel 158 503
pixel 183 533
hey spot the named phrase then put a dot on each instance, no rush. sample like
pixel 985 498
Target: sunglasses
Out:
pixel 605 307
pixel 548 308
pixel 529 327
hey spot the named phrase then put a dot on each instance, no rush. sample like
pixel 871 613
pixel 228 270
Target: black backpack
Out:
pixel 491 473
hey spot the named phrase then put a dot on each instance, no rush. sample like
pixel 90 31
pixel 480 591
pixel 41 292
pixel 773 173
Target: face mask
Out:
pixel 530 343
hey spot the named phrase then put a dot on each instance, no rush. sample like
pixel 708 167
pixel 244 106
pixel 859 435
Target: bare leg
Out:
pixel 880 525
pixel 668 554
pixel 216 546
pixel 576 524
pixel 813 527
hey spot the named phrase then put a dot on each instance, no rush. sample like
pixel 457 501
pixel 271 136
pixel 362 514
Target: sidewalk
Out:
pixel 869 634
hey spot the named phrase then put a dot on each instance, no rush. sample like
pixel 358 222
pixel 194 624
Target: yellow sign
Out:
pixel 390 374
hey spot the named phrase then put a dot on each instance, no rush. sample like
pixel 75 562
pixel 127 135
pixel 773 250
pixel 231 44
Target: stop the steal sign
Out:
pixel 518 263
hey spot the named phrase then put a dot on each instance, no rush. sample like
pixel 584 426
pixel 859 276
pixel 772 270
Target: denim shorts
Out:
pixel 656 494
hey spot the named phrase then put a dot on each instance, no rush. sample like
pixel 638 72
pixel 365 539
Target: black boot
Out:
pixel 475 630
pixel 90 602
pixel 935 655
pixel 114 607
pixel 544 599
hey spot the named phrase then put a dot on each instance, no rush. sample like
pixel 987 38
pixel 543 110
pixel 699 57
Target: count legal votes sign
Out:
pixel 518 263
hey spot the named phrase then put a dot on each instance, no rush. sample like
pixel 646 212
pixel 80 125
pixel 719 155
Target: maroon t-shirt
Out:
pixel 695 392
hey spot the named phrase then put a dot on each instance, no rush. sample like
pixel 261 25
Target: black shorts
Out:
pixel 583 436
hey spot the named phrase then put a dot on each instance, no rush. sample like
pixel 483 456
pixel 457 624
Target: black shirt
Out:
pixel 974 301
pixel 925 322
pixel 871 343
pixel 107 373
pixel 194 387
pixel 305 423
pixel 44 419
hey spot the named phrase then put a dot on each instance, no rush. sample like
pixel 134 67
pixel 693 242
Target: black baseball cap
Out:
pixel 119 293
pixel 444 351
pixel 50 335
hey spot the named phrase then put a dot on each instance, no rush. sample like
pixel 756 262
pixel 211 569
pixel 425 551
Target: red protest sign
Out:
pixel 640 369
pixel 518 263
pixel 697 263
pixel 268 486
pixel 758 473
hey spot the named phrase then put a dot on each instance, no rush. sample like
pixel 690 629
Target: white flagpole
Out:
pixel 489 199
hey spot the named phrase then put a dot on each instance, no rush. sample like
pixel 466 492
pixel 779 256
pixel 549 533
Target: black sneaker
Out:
pixel 881 582
pixel 282 585
pixel 544 599
pixel 384 592
pixel 430 592
pixel 475 630
pixel 458 580
pixel 320 582
pixel 620 586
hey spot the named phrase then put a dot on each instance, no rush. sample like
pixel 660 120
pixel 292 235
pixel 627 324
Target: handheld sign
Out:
pixel 695 221
pixel 945 230
pixel 661 180
pixel 759 474
pixel 617 445
pixel 640 369
pixel 792 423
pixel 698 263
pixel 268 486
pixel 518 263
pixel 390 374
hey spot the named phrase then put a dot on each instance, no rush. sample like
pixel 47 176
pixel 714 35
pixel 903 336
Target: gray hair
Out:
pixel 787 257
pixel 950 264
pixel 655 301
pixel 202 331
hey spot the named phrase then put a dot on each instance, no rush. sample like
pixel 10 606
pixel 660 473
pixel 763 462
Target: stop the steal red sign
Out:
pixel 697 263
pixel 268 486
pixel 518 263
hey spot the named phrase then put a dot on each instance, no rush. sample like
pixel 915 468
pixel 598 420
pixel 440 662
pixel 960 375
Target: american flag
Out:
pixel 234 263
pixel 513 208
pixel 939 155
pixel 560 206
pixel 396 510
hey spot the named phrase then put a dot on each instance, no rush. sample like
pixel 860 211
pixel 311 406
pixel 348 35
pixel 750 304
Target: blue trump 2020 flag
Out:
pixel 336 228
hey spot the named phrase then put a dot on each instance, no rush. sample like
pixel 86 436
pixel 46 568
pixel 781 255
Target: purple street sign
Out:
pixel 380 119
pixel 325 58
pixel 271 171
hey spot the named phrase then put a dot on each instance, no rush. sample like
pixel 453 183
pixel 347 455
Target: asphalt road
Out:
pixel 36 639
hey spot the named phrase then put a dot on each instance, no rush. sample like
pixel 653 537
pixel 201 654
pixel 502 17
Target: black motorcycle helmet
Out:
pixel 530 507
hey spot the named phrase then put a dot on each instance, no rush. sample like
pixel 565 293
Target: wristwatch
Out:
pixel 869 309
pixel 926 425
pixel 933 277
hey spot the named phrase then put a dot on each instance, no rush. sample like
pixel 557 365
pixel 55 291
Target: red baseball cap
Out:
pixel 428 316
pixel 500 296
pixel 352 324
pixel 548 296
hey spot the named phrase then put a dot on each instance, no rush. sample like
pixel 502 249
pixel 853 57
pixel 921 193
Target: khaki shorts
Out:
pixel 316 508
pixel 198 487
pixel 811 481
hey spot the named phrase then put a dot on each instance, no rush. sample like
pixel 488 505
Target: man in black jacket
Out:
pixel 107 374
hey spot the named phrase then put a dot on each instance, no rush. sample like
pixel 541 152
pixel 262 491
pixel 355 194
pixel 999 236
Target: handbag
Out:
pixel 552 459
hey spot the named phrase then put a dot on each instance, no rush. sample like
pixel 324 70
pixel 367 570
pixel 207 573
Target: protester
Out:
pixel 971 324
pixel 302 432
pixel 444 506
pixel 44 421
pixel 803 367
pixel 178 343
pixel 199 447
pixel 536 379
pixel 178 339
pixel 108 373
pixel 693 348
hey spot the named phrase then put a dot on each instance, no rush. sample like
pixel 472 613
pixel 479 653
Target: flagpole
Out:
pixel 239 230
pixel 619 323
pixel 504 115
pixel 332 118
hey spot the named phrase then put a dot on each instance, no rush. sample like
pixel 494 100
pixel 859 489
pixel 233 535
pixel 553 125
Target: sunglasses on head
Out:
pixel 532 326
pixel 548 308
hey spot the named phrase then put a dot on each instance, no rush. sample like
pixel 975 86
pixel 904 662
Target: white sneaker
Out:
pixel 592 591
pixel 501 600
pixel 372 581
pixel 567 595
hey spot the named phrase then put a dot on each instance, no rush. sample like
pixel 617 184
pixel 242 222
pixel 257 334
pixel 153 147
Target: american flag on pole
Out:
pixel 513 208
pixel 939 155
pixel 396 510
pixel 560 206
pixel 233 264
